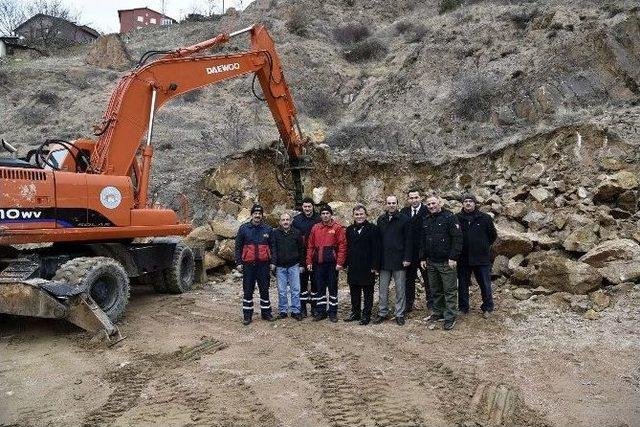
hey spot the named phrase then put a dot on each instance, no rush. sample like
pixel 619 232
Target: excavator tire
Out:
pixel 178 278
pixel 105 280
pixel 154 279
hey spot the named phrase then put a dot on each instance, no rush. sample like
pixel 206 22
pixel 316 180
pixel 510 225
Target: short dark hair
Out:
pixel 358 207
pixel 307 200
pixel 414 190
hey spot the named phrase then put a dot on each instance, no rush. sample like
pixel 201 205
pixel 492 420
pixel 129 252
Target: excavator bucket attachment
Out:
pixel 55 300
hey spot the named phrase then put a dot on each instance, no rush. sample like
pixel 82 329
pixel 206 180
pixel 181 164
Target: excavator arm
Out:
pixel 140 94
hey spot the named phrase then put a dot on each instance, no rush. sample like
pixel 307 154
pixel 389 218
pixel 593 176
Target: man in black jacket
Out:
pixel 287 254
pixel 304 222
pixel 416 212
pixel 439 250
pixel 395 232
pixel 363 264
pixel 479 233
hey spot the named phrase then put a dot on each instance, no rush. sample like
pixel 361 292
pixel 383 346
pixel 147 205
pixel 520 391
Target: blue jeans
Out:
pixel 482 274
pixel 288 277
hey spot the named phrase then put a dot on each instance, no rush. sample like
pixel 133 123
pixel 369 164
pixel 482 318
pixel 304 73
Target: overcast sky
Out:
pixel 103 14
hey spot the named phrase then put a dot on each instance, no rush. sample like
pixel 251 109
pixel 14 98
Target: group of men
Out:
pixel 307 252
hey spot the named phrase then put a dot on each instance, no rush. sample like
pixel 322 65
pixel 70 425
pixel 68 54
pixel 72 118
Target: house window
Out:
pixel 152 20
pixel 166 21
pixel 140 18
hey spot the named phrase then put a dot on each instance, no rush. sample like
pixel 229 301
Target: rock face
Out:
pixel 612 186
pixel 612 250
pixel 580 240
pixel 617 272
pixel 511 243
pixel 225 228
pixel 562 274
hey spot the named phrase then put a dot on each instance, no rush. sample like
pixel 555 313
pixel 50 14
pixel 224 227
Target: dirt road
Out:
pixel 187 360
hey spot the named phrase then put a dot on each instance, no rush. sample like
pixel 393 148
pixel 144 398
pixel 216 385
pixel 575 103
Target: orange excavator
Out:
pixel 84 202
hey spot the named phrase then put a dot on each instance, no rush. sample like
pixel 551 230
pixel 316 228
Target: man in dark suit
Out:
pixel 363 264
pixel 416 211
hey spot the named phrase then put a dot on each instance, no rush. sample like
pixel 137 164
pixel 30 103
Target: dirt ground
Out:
pixel 187 360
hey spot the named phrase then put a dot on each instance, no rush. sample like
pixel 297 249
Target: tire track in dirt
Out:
pixel 132 379
pixel 462 397
pixel 351 393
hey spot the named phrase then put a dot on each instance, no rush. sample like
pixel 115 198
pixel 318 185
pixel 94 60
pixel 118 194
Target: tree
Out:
pixel 12 14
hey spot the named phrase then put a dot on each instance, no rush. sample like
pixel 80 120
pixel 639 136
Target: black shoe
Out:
pixel 464 311
pixel 435 318
pixel 246 321
pixel 449 324
pixel 283 315
pixel 409 308
pixel 333 318
pixel 365 320
pixel 319 317
pixel 352 317
pixel 303 312
pixel 400 320
pixel 268 317
pixel 379 319
pixel 297 316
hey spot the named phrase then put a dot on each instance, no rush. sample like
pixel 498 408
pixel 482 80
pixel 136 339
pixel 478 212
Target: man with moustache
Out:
pixel 363 264
pixel 326 254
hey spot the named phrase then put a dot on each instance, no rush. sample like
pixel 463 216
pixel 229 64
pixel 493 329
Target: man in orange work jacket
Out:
pixel 253 255
pixel 326 255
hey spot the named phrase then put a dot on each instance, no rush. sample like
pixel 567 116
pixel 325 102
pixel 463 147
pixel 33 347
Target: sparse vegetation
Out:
pixel 349 34
pixel 46 97
pixel 522 18
pixel 445 6
pixel 32 116
pixel 472 97
pixel 298 22
pixel 192 96
pixel 365 50
pixel 412 31
pixel 317 103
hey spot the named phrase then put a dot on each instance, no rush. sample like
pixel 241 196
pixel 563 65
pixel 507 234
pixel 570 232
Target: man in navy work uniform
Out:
pixel 478 234
pixel 304 222
pixel 253 255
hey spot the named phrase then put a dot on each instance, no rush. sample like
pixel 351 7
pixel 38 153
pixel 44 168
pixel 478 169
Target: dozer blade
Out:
pixel 55 300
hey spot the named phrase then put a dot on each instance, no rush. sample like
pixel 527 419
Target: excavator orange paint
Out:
pixel 89 198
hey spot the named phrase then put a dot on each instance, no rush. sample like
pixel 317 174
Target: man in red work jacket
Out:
pixel 326 255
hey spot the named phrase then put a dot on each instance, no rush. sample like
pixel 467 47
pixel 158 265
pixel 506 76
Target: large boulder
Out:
pixel 226 250
pixel 617 272
pixel 612 250
pixel 540 194
pixel 515 210
pixel 580 240
pixel 212 261
pixel 564 275
pixel 202 236
pixel 227 228
pixel 531 174
pixel 511 242
pixel 614 185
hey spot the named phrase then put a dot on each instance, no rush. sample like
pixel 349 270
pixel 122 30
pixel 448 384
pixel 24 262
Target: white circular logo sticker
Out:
pixel 110 197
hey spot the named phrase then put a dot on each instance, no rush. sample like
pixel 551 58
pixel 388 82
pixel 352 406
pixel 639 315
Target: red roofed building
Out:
pixel 135 19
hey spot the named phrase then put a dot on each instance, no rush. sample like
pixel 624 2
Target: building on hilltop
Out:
pixel 135 19
pixel 45 29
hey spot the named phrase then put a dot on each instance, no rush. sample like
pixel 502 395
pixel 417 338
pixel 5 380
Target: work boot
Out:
pixel 319 316
pixel 400 320
pixel 486 314
pixel 365 320
pixel 352 317
pixel 268 317
pixel 246 321
pixel 283 315
pixel 379 319
pixel 449 324
pixel 333 317
pixel 297 316
pixel 435 318
pixel 303 311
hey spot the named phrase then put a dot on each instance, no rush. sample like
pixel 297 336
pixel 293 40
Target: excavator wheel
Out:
pixel 178 278
pixel 104 279
pixel 155 279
